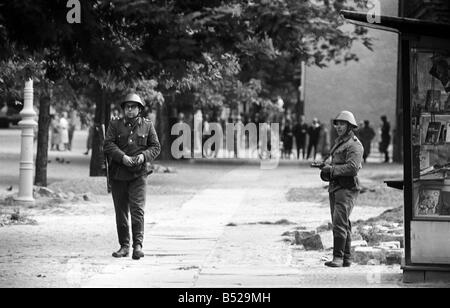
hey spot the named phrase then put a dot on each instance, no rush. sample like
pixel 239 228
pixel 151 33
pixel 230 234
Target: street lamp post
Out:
pixel 301 89
pixel 27 124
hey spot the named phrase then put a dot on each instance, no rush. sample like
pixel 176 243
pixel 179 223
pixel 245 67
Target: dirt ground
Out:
pixel 71 241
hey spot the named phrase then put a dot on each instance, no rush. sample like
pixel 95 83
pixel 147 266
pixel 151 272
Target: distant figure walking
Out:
pixel 324 141
pixel 55 138
pixel 300 130
pixel 288 138
pixel 366 135
pixel 90 136
pixel 72 125
pixel 64 131
pixel 314 134
pixel 385 138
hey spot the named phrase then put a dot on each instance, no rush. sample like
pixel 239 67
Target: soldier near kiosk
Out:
pixel 347 155
pixel 131 144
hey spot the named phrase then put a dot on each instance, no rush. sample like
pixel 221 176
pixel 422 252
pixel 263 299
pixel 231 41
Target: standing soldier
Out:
pixel 130 144
pixel 344 187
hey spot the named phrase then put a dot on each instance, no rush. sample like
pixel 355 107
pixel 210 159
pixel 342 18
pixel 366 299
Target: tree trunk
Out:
pixel 101 120
pixel 42 141
pixel 163 130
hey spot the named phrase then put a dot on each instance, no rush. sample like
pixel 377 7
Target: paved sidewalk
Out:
pixel 177 246
pixel 194 247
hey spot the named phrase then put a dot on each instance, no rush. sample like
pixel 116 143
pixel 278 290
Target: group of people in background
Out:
pixel 309 139
pixel 312 139
pixel 62 128
pixel 366 135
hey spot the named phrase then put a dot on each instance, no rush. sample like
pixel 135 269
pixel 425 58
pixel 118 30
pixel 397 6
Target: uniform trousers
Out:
pixel 129 197
pixel 341 205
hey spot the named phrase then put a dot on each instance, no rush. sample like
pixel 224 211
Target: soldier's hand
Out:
pixel 127 161
pixel 140 159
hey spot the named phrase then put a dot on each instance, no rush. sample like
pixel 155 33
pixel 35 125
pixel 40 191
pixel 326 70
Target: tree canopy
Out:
pixel 157 39
pixel 221 52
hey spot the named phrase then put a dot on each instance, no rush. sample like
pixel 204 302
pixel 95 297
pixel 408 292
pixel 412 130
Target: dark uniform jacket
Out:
pixel 347 155
pixel 130 137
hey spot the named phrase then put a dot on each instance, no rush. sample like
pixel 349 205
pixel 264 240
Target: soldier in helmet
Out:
pixel 346 159
pixel 130 143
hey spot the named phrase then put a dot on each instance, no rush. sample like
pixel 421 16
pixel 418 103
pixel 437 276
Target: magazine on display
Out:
pixel 433 132
pixel 428 201
pixel 433 101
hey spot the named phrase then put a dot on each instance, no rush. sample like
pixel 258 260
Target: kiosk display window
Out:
pixel 430 133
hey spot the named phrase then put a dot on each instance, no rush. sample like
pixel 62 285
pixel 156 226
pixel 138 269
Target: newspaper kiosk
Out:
pixel 425 94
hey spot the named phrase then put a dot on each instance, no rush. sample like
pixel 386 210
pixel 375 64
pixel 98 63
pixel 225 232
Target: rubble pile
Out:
pixel 375 241
pixel 157 168
pixel 40 192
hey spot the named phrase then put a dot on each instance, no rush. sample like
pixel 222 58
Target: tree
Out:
pixel 14 73
pixel 159 39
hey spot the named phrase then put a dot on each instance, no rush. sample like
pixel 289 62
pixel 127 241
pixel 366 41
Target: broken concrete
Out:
pixel 313 242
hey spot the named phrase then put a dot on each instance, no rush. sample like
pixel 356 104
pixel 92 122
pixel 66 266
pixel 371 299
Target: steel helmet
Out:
pixel 132 97
pixel 346 116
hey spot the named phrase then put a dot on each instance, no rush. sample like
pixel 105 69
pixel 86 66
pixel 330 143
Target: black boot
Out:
pixel 122 252
pixel 347 251
pixel 137 252
pixel 337 262
pixel 338 252
pixel 347 262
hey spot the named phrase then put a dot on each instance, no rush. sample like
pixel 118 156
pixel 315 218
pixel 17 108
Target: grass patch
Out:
pixel 316 194
pixel 391 215
pixel 372 194
pixel 379 195
pixel 15 218
pixel 281 222
pixel 94 185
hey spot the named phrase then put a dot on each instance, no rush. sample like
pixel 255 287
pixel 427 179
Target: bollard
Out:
pixel 27 125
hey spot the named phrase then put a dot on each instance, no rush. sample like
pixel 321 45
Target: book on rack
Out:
pixel 447 104
pixel 447 135
pixel 428 201
pixel 440 70
pixel 433 131
pixel 415 131
pixel 444 206
pixel 433 101
pixel 442 133
pixel 424 159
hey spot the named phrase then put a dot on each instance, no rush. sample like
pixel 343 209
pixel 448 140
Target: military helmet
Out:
pixel 132 97
pixel 346 116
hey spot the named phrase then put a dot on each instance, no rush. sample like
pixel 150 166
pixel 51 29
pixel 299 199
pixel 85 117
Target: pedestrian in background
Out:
pixel 324 141
pixel 288 139
pixel 342 173
pixel 55 139
pixel 385 138
pixel 300 130
pixel 64 131
pixel 90 136
pixel 366 135
pixel 72 125
pixel 131 143
pixel 313 134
